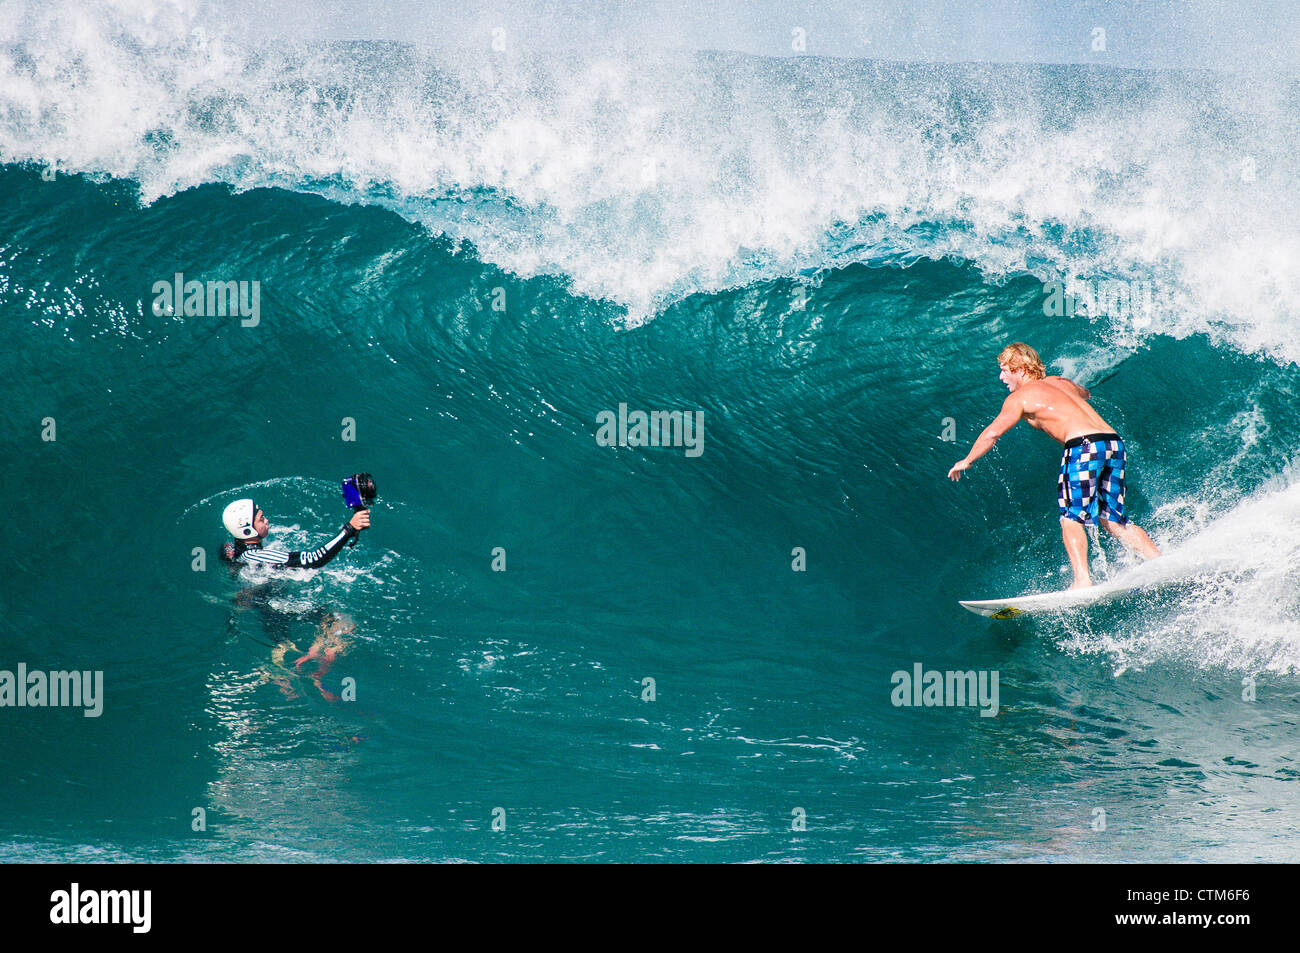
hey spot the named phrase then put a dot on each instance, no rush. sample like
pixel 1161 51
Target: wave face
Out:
pixel 470 258
pixel 644 178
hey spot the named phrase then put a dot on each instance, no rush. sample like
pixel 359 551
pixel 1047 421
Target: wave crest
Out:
pixel 644 177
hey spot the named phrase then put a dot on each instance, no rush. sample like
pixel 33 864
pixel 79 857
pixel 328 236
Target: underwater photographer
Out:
pixel 246 522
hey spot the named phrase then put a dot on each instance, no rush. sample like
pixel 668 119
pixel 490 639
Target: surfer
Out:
pixel 1090 487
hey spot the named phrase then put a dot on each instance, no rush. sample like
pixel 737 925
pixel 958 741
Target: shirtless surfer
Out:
pixel 1091 483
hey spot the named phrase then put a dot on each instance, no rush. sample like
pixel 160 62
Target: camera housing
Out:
pixel 359 491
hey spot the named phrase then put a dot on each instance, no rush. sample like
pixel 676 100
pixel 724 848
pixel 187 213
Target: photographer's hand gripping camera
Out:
pixel 359 492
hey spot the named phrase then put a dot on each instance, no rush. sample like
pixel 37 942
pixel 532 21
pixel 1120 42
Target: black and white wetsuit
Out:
pixel 250 553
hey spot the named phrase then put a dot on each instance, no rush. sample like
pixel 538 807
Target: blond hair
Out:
pixel 1021 357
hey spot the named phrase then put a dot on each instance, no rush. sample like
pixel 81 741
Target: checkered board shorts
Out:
pixel 1092 480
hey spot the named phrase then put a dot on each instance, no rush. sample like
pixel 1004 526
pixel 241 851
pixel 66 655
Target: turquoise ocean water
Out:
pixel 472 258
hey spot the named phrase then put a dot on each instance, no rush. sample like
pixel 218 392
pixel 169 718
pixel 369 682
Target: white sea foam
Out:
pixel 1228 587
pixel 646 176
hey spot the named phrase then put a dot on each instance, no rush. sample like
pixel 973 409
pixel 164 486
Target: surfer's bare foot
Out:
pixel 1082 585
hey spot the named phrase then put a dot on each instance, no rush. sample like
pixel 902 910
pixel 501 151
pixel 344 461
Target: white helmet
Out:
pixel 238 517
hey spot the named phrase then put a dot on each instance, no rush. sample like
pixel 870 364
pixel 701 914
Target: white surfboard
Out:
pixel 1040 602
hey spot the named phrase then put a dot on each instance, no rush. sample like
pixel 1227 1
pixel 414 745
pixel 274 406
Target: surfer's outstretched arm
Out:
pixel 1012 410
